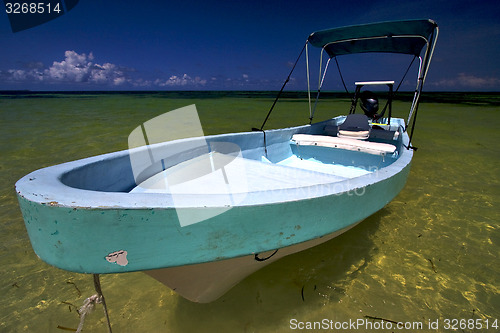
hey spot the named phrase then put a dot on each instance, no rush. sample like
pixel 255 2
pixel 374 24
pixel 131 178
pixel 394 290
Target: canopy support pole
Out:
pixel 319 90
pixel 308 82
pixel 422 74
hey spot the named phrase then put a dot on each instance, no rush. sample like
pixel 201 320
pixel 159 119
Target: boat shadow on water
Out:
pixel 303 282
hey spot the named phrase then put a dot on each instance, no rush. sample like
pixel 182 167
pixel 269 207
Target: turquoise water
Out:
pixel 432 254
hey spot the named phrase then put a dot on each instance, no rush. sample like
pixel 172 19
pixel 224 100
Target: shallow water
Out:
pixel 430 254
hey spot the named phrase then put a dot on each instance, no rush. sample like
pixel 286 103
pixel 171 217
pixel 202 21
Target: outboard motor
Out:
pixel 369 104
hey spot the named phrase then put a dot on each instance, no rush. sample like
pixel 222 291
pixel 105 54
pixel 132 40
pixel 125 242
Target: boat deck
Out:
pixel 217 173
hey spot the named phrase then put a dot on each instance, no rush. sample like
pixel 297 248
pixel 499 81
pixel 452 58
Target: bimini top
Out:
pixel 407 37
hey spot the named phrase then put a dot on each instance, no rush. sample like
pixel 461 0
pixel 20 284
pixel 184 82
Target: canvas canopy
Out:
pixel 407 37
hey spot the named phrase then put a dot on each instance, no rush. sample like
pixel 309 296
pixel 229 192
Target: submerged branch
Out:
pixel 432 265
pixel 379 318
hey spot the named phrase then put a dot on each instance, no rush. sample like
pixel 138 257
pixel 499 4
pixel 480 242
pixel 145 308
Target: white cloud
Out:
pixel 75 68
pixel 119 81
pixel 183 80
pixel 141 83
pixel 82 69
pixel 467 81
pixel 17 74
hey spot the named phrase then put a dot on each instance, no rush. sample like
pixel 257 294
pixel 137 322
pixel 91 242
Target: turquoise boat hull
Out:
pixel 200 214
pixel 81 216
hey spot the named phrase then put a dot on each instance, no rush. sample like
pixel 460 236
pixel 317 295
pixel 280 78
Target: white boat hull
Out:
pixel 205 283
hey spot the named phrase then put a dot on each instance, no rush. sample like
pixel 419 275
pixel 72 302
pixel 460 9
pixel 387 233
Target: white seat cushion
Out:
pixel 354 134
pixel 374 148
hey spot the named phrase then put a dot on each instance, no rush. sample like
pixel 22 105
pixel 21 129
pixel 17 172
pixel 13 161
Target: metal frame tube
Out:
pixel 319 90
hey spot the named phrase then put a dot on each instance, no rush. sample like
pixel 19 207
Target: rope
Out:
pixel 268 257
pixel 87 307
pixel 404 76
pixel 90 303
pixel 341 77
pixel 97 286
pixel 283 87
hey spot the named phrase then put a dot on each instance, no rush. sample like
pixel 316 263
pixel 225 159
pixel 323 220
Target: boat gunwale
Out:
pixel 47 187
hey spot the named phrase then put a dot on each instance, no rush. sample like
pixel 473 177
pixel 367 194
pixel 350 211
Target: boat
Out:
pixel 201 213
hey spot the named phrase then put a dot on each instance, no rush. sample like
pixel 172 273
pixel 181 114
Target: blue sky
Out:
pixel 235 45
